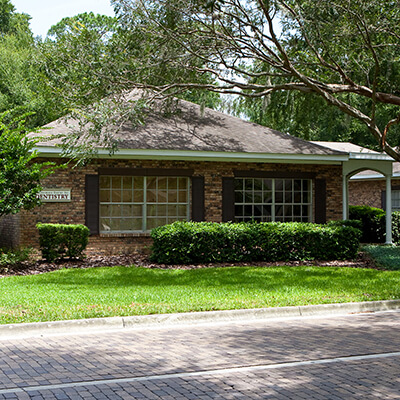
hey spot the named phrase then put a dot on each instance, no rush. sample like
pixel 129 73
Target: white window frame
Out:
pixel 145 203
pixel 395 199
pixel 274 203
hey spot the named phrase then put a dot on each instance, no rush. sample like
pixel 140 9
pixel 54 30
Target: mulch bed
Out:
pixel 41 266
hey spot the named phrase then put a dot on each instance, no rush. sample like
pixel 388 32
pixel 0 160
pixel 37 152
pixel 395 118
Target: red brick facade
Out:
pixel 369 192
pixel 366 193
pixel 213 172
pixel 10 231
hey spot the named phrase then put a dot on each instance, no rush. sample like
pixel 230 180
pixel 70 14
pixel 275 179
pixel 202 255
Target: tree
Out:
pixel 96 55
pixel 307 116
pixel 22 89
pixel 10 21
pixel 90 61
pixel 73 57
pixel 343 51
pixel 20 172
pixel 102 24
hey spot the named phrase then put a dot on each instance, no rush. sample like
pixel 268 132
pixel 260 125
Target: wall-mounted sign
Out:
pixel 55 195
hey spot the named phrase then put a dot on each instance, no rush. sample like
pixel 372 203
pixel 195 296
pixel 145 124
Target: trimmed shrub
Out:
pixel 61 240
pixel 355 223
pixel 396 227
pixel 373 223
pixel 205 242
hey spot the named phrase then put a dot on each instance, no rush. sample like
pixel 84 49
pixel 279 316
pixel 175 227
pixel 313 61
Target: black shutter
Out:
pixel 383 199
pixel 198 198
pixel 320 201
pixel 228 199
pixel 92 203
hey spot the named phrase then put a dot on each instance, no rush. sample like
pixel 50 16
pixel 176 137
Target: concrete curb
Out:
pixel 15 331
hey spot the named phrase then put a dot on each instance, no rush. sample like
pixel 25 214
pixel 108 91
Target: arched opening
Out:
pixel 357 171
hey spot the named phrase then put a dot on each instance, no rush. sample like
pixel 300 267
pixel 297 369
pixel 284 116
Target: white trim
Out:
pixel 375 177
pixel 388 209
pixel 274 203
pixel 353 166
pixel 345 197
pixel 370 156
pixel 367 177
pixel 51 151
pixel 144 203
pixel 334 159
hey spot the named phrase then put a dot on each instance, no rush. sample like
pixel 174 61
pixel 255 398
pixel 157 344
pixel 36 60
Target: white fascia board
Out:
pixel 372 177
pixel 208 156
pixel 367 177
pixel 370 156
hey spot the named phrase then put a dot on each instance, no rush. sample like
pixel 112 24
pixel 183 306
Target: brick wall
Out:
pixel 368 193
pixel 10 231
pixel 74 212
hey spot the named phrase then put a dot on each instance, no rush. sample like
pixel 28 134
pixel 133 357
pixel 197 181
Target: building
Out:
pixel 368 188
pixel 198 165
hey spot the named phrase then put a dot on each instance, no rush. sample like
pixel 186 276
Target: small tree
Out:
pixel 20 174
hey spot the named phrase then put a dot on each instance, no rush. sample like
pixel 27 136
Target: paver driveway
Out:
pixel 346 357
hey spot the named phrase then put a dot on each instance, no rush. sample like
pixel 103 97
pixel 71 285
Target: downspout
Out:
pixel 388 209
pixel 345 197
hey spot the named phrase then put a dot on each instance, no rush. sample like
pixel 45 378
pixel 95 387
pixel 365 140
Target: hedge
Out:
pixel 396 227
pixel 62 240
pixel 206 242
pixel 373 223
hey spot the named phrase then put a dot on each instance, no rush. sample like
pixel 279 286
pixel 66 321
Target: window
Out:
pixel 141 203
pixel 273 199
pixel 395 200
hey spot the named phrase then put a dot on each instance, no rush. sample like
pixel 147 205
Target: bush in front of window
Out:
pixel 207 242
pixel 373 223
pixel 62 240
pixel 348 222
pixel 396 227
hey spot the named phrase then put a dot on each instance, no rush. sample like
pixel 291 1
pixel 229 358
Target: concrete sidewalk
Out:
pixel 13 331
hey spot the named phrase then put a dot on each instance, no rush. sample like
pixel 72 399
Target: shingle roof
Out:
pixel 194 130
pixel 370 174
pixel 346 147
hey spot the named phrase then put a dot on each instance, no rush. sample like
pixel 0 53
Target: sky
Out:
pixel 46 13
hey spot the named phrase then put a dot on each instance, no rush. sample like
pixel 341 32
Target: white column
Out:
pixel 345 202
pixel 388 209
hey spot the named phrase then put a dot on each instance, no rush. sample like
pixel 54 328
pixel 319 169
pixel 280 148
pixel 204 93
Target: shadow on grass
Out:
pixel 255 278
pixel 386 257
pixel 118 291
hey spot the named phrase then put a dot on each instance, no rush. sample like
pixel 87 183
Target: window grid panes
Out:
pixel 265 200
pixel 141 203
pixel 395 200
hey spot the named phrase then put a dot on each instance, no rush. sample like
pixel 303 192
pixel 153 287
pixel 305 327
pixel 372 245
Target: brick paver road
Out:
pixel 347 357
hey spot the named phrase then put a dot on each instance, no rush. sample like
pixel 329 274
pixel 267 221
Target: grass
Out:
pixel 385 256
pixel 122 291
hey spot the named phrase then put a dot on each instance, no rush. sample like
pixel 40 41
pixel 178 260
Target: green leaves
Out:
pixel 14 257
pixel 20 174
pixel 373 222
pixel 207 242
pixel 22 89
pixel 341 52
pixel 62 240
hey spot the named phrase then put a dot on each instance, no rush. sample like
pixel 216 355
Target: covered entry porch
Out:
pixel 362 159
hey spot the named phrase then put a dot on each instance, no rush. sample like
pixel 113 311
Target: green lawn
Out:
pixel 117 291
